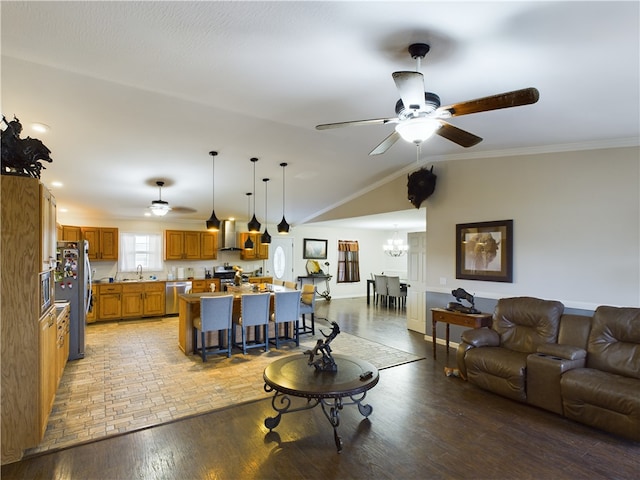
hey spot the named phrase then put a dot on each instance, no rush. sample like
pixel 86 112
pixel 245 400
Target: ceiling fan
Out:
pixel 419 114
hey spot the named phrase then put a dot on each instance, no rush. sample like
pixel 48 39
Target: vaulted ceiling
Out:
pixel 135 92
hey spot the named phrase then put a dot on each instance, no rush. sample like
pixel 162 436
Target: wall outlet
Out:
pixel 443 280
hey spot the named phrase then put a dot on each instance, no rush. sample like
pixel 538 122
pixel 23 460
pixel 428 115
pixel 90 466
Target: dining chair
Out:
pixel 308 305
pixel 278 282
pixel 381 289
pixel 254 312
pixel 291 285
pixel 395 292
pixel 215 315
pixel 286 310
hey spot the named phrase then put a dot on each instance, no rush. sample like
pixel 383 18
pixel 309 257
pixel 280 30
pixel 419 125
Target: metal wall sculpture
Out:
pixel 22 156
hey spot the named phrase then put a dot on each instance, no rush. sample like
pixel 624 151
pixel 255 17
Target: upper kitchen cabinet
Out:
pixel 208 245
pixel 103 242
pixel 70 234
pixel 190 245
pixel 260 251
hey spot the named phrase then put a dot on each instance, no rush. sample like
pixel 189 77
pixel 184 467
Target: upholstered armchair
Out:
pixel 495 358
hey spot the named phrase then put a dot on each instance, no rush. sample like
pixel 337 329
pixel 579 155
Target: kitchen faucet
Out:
pixel 139 271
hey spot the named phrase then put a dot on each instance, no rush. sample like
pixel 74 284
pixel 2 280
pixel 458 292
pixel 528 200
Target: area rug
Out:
pixel 134 376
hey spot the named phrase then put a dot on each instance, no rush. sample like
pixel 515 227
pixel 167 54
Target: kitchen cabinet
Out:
pixel 143 299
pixel 21 356
pixel 208 245
pixel 190 245
pixel 109 301
pixel 103 242
pixel 201 286
pixel 47 228
pixel 71 234
pixel 154 299
pixel 48 373
pixel 260 251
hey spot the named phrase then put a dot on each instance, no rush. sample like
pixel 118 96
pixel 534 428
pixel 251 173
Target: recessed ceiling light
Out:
pixel 56 184
pixel 63 210
pixel 40 127
pixel 147 214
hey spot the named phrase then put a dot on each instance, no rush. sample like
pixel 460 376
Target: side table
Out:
pixel 471 320
pixel 293 376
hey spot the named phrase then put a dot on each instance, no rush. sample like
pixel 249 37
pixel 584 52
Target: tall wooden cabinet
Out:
pixel 26 343
pixel 103 242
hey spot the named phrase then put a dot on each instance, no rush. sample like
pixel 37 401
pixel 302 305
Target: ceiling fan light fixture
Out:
pixel 159 207
pixel 417 130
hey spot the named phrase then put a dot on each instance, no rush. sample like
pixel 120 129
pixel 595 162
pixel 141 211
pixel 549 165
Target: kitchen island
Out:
pixel 189 308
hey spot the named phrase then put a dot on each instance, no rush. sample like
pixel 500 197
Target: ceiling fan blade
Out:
pixel 386 143
pixel 411 88
pixel 526 96
pixel 373 121
pixel 457 135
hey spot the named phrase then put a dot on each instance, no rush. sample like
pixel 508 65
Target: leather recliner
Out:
pixel 495 358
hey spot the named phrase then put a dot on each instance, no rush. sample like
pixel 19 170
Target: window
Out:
pixel 140 249
pixel 348 263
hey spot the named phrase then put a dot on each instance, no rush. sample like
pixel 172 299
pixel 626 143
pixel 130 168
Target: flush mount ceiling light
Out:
pixel 283 226
pixel 265 238
pixel 213 224
pixel 417 130
pixel 159 207
pixel 254 224
pixel 40 127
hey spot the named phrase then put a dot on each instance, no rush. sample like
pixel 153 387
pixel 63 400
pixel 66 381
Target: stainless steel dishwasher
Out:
pixel 171 298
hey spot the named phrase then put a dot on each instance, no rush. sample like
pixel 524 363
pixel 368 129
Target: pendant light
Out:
pixel 283 226
pixel 254 224
pixel 213 224
pixel 265 238
pixel 159 207
pixel 248 244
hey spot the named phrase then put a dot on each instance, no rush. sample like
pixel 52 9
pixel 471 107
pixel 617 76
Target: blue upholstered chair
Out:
pixel 286 310
pixel 215 315
pixel 254 312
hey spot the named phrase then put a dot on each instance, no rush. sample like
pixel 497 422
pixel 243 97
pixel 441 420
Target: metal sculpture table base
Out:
pixel 292 376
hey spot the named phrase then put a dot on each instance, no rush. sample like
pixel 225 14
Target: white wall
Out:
pixel 576 224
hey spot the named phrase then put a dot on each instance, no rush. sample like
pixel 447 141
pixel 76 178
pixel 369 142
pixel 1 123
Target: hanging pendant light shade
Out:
pixel 159 207
pixel 213 224
pixel 265 238
pixel 283 226
pixel 248 244
pixel 254 224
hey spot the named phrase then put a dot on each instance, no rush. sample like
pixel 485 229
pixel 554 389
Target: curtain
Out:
pixel 140 249
pixel 348 263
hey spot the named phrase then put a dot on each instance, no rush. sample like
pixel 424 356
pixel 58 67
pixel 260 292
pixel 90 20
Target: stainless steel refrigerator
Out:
pixel 73 284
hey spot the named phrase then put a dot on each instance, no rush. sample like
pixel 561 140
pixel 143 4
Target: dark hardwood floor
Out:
pixel 424 425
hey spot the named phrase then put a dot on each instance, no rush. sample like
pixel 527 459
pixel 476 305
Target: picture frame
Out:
pixel 314 248
pixel 484 251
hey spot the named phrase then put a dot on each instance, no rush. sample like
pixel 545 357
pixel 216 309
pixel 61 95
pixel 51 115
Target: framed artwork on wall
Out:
pixel 314 249
pixel 484 251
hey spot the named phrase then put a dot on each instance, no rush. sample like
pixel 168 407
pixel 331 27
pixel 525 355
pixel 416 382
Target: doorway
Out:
pixel 280 262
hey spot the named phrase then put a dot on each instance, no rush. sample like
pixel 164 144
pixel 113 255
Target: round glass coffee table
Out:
pixel 293 376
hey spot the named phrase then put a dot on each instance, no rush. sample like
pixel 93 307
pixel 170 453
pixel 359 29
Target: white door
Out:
pixel 280 263
pixel 417 281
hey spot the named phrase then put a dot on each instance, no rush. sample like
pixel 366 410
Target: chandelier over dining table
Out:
pixel 395 247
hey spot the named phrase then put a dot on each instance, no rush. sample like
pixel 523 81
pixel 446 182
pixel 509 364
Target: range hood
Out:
pixel 227 237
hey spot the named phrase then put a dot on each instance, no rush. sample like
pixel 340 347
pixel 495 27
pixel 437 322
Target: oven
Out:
pixel 46 291
pixel 226 278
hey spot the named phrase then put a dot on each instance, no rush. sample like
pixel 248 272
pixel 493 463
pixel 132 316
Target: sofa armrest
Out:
pixel 567 352
pixel 481 337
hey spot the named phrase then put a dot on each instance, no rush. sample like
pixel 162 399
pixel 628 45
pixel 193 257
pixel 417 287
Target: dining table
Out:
pixel 189 309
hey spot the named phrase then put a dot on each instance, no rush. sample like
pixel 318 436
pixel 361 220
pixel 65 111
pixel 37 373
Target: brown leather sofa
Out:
pixel 587 369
